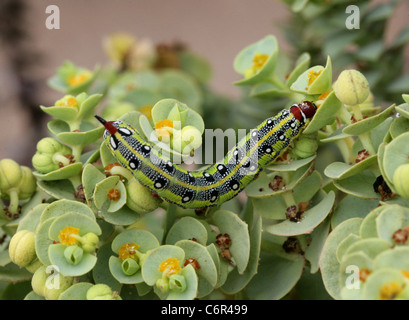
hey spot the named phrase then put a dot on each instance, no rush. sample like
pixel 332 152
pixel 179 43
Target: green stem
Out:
pixel 345 147
pixel 13 206
pixel 344 115
pixel 75 181
pixel 367 142
pixel 60 158
pixel 74 125
pixel 77 151
pixel 289 198
pixel 278 83
pixel 356 110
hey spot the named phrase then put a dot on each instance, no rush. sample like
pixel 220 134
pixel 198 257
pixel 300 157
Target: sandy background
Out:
pixel 217 29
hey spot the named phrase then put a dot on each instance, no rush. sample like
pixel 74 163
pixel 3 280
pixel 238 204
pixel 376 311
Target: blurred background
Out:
pixel 215 29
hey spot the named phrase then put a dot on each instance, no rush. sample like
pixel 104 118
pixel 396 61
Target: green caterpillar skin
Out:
pixel 217 183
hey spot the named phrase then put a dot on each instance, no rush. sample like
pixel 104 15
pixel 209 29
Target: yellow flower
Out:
pixel 170 266
pixel 312 76
pixel 147 111
pixel 163 124
pixel 389 291
pixel 128 250
pixel 259 60
pixel 79 78
pixel 163 130
pixel 67 101
pixel 67 235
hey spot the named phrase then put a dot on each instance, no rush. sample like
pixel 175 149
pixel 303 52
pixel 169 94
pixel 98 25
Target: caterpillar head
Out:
pixel 303 111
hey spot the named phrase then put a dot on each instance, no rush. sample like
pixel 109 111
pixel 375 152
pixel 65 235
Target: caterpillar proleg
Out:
pixel 219 182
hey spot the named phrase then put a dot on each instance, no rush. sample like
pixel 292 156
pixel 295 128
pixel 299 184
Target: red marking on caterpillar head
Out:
pixel 306 107
pixel 107 124
pixel 295 110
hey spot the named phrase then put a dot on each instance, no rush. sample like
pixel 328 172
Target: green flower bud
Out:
pixel 163 285
pixel 89 242
pixel 139 198
pixel 351 87
pixel 186 140
pixel 22 248
pixel 401 180
pixel 73 254
pixel 305 146
pixel 57 284
pixel 177 283
pixel 33 266
pixel 38 281
pixel 130 266
pixel 48 283
pixel 10 174
pixel 102 292
pixel 50 155
pixel 28 184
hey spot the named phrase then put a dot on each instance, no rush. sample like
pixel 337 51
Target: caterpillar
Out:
pixel 219 182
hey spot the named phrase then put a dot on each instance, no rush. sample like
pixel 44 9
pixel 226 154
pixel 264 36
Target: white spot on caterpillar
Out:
pixel 158 185
pixel 113 143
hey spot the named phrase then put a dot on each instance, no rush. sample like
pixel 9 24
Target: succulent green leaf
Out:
pixel 359 185
pixel 276 276
pixel 329 264
pixel 301 65
pixel 199 252
pixel 76 220
pixel 61 113
pixel 190 292
pixel 60 174
pixel 341 170
pixel 150 268
pixel 187 228
pixel 56 254
pixel 244 60
pixel 352 207
pixel 396 153
pixel 229 222
pixel 368 124
pixel 60 207
pixel 58 189
pixel 325 114
pixel 379 278
pixel 77 291
pixel 102 190
pixel 311 219
pixel 145 239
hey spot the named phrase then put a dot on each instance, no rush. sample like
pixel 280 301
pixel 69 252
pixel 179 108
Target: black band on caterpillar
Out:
pixel 219 182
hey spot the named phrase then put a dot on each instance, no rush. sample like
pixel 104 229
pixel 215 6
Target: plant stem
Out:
pixel 13 206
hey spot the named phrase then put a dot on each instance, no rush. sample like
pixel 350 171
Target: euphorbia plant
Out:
pixel 336 198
